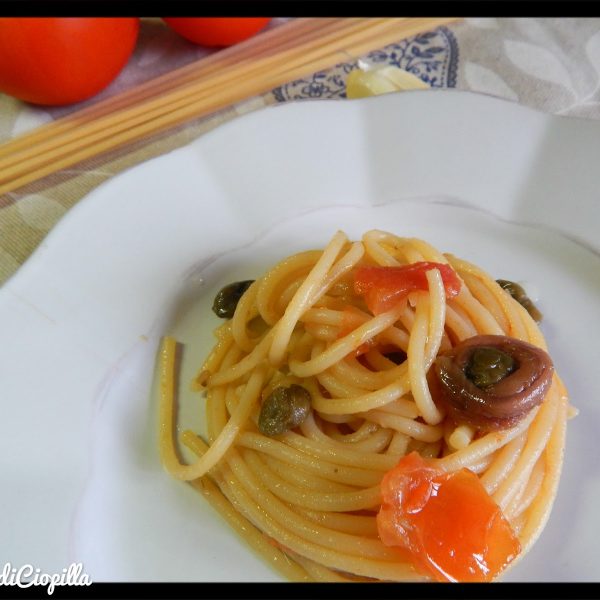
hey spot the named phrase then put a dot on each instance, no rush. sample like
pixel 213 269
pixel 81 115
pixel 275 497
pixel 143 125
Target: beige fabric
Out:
pixel 550 64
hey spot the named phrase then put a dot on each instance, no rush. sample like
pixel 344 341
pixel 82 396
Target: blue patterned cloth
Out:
pixel 431 56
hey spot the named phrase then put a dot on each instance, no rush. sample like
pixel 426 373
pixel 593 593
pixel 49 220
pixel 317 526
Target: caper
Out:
pixel 227 299
pixel 532 309
pixel 488 366
pixel 519 294
pixel 284 409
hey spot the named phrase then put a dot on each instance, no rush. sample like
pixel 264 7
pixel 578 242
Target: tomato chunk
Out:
pixel 450 524
pixel 384 287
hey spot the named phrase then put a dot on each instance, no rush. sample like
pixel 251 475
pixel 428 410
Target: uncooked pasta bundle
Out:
pixel 376 411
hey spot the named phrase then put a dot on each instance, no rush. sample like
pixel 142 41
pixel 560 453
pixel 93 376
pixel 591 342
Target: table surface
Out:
pixel 552 65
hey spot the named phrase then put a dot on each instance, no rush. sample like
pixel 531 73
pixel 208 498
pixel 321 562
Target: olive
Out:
pixel 284 409
pixel 227 299
pixel 510 387
pixel 487 366
pixel 519 294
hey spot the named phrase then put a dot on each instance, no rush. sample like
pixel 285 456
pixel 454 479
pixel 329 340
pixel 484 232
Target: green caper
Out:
pixel 284 409
pixel 227 299
pixel 519 294
pixel 488 365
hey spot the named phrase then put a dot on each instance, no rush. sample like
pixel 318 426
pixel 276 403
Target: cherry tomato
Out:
pixel 451 525
pixel 383 287
pixel 55 61
pixel 216 31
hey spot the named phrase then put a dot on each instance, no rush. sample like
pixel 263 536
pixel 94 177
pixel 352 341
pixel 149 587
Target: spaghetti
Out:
pixel 309 497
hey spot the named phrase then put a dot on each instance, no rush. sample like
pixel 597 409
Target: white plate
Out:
pixel 511 189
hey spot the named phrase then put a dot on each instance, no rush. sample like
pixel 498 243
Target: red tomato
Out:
pixel 384 287
pixel 451 525
pixel 56 61
pixel 216 31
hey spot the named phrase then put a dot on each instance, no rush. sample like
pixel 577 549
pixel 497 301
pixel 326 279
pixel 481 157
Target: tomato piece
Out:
pixel 450 524
pixel 56 61
pixel 384 287
pixel 216 31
